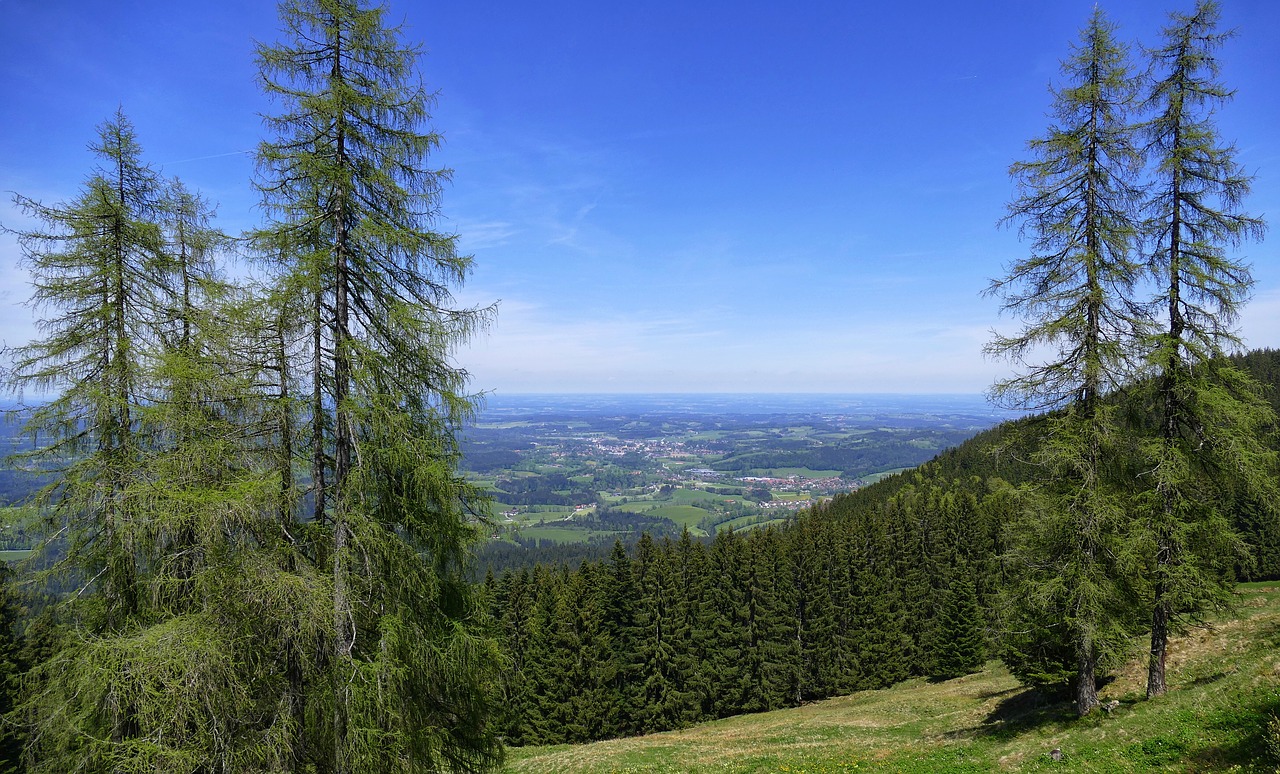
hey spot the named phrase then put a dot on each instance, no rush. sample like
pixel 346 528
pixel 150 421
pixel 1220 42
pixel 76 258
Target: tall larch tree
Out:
pixel 96 272
pixel 1210 413
pixel 1077 200
pixel 352 204
pixel 151 492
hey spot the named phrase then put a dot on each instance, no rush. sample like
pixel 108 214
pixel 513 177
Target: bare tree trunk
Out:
pixel 1087 678
pixel 344 623
pixel 1162 611
pixel 1156 685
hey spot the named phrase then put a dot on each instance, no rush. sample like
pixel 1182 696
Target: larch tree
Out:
pixel 94 267
pixel 1078 200
pixel 138 514
pixel 97 271
pixel 1211 416
pixel 352 205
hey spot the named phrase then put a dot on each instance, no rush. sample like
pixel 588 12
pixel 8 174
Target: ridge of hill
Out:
pixel 1220 715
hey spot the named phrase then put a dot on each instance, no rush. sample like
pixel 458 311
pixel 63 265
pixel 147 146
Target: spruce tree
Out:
pixel 877 649
pixel 815 613
pixel 513 610
pixel 590 697
pixel 775 647
pixel 958 641
pixel 914 570
pixel 1210 413
pixel 660 701
pixel 1077 199
pixel 621 633
pixel 725 625
pixel 550 653
pixel 690 637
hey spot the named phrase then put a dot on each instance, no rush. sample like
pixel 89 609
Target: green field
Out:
pixel 791 496
pixel 685 496
pixel 637 506
pixel 684 515
pixel 748 522
pixel 779 473
pixel 1224 689
pixel 560 534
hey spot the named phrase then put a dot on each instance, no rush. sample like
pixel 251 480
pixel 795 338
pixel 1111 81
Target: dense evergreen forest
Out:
pixel 255 546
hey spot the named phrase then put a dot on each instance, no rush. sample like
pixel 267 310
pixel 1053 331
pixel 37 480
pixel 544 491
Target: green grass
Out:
pixel 684 496
pixel 1224 686
pixel 637 506
pixel 748 522
pixel 806 472
pixel 684 515
pixel 740 526
pixel 560 534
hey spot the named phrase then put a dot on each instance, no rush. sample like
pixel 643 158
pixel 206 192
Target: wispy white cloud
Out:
pixel 481 235
pixel 533 348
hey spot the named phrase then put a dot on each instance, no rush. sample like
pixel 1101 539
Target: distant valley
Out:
pixel 594 468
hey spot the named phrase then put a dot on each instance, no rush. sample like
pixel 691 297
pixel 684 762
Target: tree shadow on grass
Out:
pixel 1001 692
pixel 1208 679
pixel 1024 709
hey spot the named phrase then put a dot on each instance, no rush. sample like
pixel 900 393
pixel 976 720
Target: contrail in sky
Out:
pixel 214 156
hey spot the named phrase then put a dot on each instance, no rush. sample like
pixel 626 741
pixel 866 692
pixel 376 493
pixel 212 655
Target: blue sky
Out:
pixel 665 196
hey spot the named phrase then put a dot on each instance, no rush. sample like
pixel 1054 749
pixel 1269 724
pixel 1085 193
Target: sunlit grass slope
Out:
pixel 1225 685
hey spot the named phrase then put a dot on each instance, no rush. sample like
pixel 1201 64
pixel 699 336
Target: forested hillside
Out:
pixel 1218 716
pixel 907 577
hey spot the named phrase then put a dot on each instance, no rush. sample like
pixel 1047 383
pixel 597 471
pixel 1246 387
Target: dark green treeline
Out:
pixel 842 599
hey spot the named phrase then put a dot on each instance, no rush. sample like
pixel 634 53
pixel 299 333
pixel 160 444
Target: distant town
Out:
pixel 590 476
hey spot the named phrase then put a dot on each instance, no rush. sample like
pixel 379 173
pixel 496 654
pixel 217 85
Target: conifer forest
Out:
pixel 254 538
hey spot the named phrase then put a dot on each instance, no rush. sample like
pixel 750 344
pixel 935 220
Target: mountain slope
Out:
pixel 1214 718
